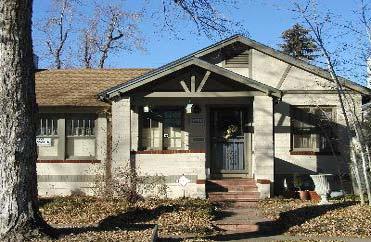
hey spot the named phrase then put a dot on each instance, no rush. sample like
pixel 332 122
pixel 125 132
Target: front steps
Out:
pixel 232 190
pixel 238 202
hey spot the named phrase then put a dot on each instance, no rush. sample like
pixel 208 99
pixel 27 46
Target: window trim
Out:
pixel 161 129
pixel 314 135
pixel 62 135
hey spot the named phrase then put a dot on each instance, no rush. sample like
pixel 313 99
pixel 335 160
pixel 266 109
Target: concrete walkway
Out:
pixel 246 223
pixel 241 219
pixel 287 238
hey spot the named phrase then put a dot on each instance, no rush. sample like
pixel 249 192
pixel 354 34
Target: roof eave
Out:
pixel 191 61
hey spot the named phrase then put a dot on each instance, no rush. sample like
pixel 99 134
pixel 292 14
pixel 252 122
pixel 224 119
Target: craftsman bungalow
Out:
pixel 234 111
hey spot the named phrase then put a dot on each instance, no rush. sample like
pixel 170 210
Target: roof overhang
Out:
pixel 283 57
pixel 181 64
pixel 195 59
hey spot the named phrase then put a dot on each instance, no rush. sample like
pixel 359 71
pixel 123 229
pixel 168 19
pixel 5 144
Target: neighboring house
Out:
pixel 236 109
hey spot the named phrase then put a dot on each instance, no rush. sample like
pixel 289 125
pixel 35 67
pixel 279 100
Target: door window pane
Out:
pixel 162 129
pixel 172 123
pixel 151 132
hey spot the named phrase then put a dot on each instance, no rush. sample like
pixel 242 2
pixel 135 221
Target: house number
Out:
pixel 43 141
pixel 197 121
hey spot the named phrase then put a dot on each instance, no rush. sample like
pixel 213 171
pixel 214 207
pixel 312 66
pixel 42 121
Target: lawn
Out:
pixel 341 219
pixel 89 218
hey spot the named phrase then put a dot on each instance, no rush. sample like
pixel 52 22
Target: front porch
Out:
pixel 214 125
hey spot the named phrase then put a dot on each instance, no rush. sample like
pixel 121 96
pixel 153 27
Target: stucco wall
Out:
pixel 266 69
pixel 171 167
pixel 263 165
pixel 62 179
pixel 121 132
pixel 286 163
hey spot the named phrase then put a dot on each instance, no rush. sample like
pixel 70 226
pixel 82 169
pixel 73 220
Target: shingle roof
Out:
pixel 79 87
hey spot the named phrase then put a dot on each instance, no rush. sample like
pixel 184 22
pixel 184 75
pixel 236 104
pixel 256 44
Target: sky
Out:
pixel 265 20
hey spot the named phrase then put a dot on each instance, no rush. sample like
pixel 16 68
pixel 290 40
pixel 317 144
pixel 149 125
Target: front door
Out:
pixel 230 142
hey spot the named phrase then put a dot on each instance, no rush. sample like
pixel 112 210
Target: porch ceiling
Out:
pixel 167 70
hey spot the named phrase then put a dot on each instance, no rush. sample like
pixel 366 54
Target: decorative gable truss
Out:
pixel 192 89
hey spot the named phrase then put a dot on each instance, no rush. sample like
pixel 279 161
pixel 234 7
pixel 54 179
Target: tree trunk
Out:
pixel 19 216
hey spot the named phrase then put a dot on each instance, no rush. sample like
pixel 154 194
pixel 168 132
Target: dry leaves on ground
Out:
pixel 174 217
pixel 351 221
pixel 341 219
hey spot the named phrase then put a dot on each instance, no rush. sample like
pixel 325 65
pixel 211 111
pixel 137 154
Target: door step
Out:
pixel 232 190
pixel 234 196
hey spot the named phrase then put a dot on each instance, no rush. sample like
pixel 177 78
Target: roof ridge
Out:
pixel 94 69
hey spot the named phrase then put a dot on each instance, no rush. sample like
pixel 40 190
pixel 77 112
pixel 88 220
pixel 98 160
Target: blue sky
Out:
pixel 265 20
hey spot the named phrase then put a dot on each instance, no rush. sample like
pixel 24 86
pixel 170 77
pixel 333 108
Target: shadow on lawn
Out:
pixel 284 223
pixel 135 219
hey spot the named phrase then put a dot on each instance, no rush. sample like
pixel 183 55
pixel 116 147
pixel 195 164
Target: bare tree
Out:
pixel 206 16
pixel 89 40
pixel 19 215
pixel 316 25
pixel 110 30
pixel 57 27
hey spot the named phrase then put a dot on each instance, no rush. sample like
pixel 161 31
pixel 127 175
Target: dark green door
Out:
pixel 229 130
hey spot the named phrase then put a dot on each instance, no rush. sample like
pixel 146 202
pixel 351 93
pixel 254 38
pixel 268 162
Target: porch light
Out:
pixel 146 109
pixel 189 108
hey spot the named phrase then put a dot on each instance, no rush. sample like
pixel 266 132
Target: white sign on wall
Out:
pixel 183 181
pixel 44 141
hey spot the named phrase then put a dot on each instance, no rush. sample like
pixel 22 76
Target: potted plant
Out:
pixel 299 185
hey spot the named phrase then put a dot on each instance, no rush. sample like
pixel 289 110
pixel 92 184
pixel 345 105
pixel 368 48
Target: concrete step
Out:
pixel 231 188
pixel 233 195
pixel 234 181
pixel 239 227
pixel 239 200
pixel 252 203
pixel 231 185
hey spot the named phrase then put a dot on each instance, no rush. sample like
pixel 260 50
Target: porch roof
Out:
pixel 183 63
pixel 230 42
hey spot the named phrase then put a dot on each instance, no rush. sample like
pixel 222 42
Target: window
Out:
pixel 240 60
pixel 80 137
pixel 66 136
pixel 48 130
pixel 313 129
pixel 162 129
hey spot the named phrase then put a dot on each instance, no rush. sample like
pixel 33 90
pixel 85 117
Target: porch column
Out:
pixel 121 133
pixel 263 166
pixel 134 128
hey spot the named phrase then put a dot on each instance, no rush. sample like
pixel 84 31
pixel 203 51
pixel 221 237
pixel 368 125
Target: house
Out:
pixel 235 111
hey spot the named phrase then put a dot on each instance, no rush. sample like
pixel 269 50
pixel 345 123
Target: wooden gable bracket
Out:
pixel 193 83
pixel 202 83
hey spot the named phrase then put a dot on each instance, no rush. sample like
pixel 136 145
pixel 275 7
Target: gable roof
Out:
pixel 174 66
pixel 79 87
pixel 283 57
pixel 248 42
